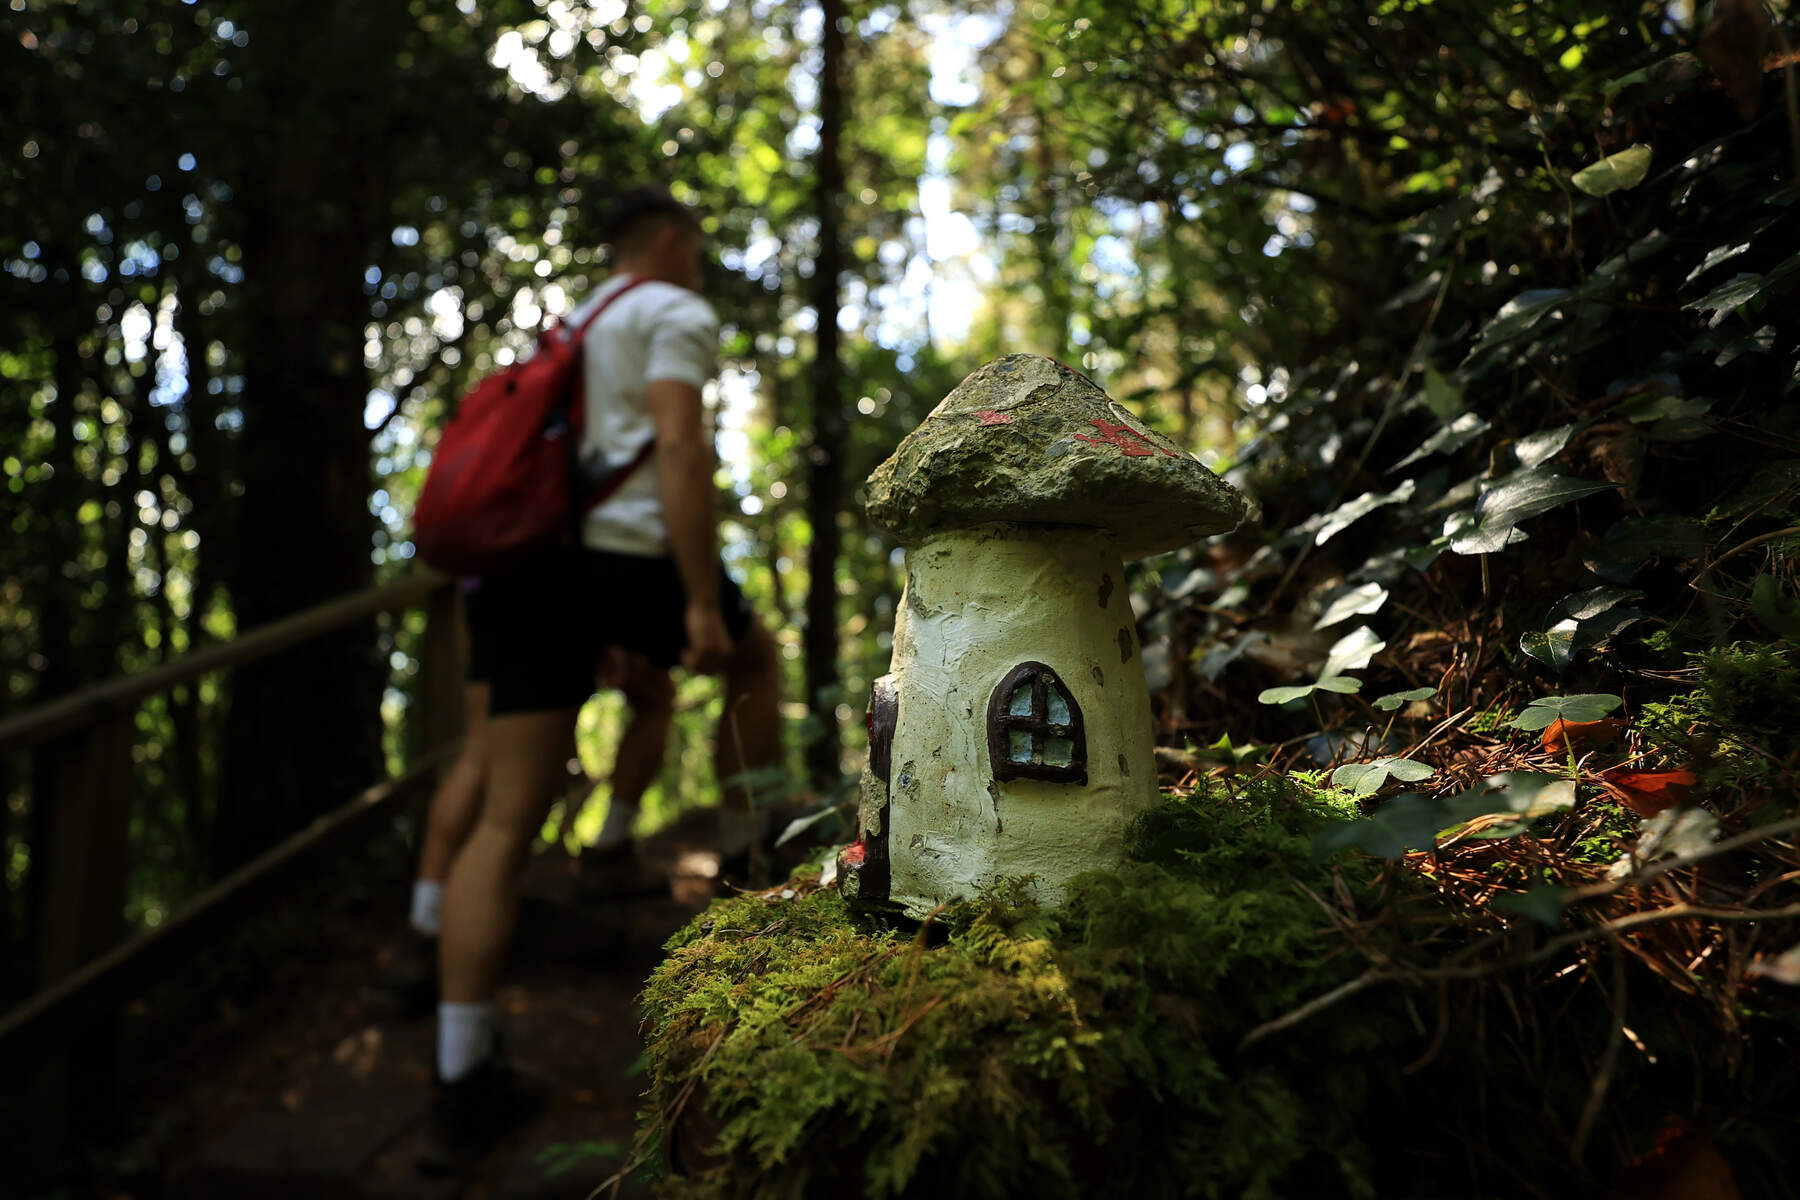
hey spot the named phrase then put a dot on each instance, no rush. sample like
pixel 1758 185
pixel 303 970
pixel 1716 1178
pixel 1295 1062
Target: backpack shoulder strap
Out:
pixel 581 330
pixel 615 479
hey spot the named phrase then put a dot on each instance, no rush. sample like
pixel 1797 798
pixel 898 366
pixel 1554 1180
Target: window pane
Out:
pixel 1020 751
pixel 1059 752
pixel 1020 706
pixel 1059 706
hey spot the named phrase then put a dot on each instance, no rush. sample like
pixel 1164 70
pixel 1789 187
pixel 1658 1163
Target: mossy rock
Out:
pixel 1006 1051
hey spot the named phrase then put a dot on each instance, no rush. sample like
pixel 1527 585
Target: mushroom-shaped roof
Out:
pixel 1025 439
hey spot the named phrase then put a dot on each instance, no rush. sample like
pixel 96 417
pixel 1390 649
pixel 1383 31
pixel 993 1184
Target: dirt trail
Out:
pixel 318 1086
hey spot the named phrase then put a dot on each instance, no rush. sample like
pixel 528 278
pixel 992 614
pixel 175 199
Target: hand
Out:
pixel 708 641
pixel 614 669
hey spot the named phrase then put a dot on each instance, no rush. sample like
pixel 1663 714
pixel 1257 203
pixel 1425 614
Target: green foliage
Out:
pixel 1393 700
pixel 1583 621
pixel 1615 172
pixel 1542 712
pixel 1752 689
pixel 1365 779
pixel 1343 685
pixel 1414 821
pixel 1030 1046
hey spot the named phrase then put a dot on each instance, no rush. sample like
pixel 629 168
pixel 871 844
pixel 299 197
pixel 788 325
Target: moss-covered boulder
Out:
pixel 1007 1051
pixel 1025 439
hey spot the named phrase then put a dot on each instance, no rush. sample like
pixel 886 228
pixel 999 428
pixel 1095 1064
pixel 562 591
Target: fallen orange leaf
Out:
pixel 1647 793
pixel 1684 1164
pixel 1583 735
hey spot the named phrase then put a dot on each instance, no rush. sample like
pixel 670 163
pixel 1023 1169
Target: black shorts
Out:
pixel 476 615
pixel 549 622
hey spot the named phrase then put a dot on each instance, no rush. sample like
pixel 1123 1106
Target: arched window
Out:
pixel 1034 728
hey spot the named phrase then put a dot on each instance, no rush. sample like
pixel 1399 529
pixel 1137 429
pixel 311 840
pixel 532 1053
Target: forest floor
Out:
pixel 316 1082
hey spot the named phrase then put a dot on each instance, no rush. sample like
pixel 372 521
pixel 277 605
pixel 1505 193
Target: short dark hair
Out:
pixel 640 209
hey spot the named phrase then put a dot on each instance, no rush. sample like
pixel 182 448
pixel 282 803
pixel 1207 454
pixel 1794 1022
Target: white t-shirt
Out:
pixel 655 331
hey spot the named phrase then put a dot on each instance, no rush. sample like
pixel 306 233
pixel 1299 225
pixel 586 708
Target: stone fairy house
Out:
pixel 1012 737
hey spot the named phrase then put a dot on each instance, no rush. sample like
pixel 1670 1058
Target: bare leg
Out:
pixel 526 772
pixel 651 695
pixel 750 725
pixel 457 801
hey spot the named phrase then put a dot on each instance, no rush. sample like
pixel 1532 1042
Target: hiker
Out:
pixel 411 972
pixel 647 578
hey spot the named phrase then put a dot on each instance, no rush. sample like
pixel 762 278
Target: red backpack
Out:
pixel 505 479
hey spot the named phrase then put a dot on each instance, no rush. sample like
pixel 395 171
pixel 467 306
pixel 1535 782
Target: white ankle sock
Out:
pixel 737 829
pixel 617 829
pixel 465 1038
pixel 428 906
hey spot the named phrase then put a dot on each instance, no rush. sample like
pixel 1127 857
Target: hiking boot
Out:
pixel 407 970
pixel 468 1116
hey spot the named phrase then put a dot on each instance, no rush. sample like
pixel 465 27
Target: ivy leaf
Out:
pixel 1352 652
pixel 1715 256
pixel 1531 492
pixel 1527 793
pixel 1542 903
pixel 1521 313
pixel 1579 622
pixel 1365 779
pixel 1635 541
pixel 1777 610
pixel 1412 821
pixel 1588 706
pixel 1351 511
pixel 1394 700
pixel 1441 396
pixel 1355 602
pixel 1526 493
pixel 1676 832
pixel 1539 448
pixel 1223 751
pixel 1615 172
pixel 1448 438
pixel 1634 255
pixel 1646 409
pixel 1729 296
pixel 800 825
pixel 1783 968
pixel 1464 534
pixel 1214 661
pixel 1407 822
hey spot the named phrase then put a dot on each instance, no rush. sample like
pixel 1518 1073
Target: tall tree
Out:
pixel 825 473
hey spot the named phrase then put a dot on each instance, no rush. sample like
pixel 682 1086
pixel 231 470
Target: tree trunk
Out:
pixel 60 597
pixel 304 730
pixel 826 474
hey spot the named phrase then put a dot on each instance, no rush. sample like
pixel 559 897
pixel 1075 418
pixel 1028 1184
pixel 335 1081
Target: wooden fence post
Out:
pixel 89 857
pixel 89 852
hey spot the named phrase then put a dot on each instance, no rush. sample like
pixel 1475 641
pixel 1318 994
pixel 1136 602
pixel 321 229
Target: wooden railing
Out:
pixel 85 971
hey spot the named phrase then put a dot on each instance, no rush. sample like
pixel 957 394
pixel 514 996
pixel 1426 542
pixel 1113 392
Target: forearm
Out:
pixel 685 476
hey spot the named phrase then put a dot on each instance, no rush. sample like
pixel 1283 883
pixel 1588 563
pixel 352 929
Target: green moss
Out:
pixel 1754 687
pixel 1744 719
pixel 1038 1053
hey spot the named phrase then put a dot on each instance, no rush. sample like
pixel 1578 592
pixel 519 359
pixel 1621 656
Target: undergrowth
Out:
pixel 1032 1049
pixel 1223 1015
